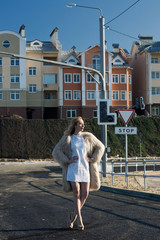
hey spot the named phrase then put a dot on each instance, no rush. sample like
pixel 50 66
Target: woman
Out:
pixel 78 153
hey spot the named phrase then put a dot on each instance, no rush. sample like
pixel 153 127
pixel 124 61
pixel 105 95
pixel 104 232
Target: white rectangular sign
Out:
pixel 126 130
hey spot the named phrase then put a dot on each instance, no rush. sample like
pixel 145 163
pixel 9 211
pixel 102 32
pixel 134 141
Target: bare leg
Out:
pixel 77 201
pixel 80 193
pixel 84 192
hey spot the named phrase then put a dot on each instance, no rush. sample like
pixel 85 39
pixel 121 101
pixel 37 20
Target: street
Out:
pixel 33 206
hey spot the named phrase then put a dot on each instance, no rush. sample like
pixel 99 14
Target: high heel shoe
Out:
pixel 72 220
pixel 80 227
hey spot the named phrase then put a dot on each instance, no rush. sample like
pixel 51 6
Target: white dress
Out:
pixel 78 171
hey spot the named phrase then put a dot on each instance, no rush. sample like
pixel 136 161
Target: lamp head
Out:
pixel 71 5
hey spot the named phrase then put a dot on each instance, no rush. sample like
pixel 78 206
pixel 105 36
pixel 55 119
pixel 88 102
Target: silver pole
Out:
pixel 103 88
pixel 126 156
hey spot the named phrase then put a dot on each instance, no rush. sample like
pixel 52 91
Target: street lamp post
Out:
pixel 102 70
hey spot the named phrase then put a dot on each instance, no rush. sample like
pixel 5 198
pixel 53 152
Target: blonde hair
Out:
pixel 71 128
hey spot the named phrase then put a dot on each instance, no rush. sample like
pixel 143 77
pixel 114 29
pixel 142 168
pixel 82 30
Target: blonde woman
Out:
pixel 78 153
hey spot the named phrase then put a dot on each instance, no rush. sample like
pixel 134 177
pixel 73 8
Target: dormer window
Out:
pixel 117 61
pixel 36 43
pixel 71 61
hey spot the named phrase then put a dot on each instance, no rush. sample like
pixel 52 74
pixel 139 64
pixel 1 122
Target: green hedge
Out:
pixel 21 138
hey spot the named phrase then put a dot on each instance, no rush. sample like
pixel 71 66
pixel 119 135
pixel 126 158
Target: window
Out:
pixel 117 61
pixel 96 62
pixel 89 78
pixel 0 61
pixel 36 43
pixel 130 79
pixel 77 95
pixel 115 78
pixel 115 95
pixel 155 90
pixel 71 113
pixel 1 96
pixel 14 61
pixel 95 115
pixel 71 61
pixel 6 44
pixel 123 95
pixel 14 96
pixel 32 71
pixel 106 79
pixel 91 95
pixel 14 79
pixel 32 88
pixel 50 78
pixel 0 78
pixel 49 95
pixel 155 111
pixel 130 96
pixel 154 60
pixel 76 78
pixel 123 78
pixel 155 75
pixel 67 77
pixel 68 95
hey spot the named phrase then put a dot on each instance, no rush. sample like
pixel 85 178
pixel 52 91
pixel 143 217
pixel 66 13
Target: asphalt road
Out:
pixel 33 206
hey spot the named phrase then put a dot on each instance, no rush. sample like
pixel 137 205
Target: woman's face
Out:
pixel 79 127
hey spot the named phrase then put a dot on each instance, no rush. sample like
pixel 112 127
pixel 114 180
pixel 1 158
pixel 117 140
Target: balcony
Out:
pixel 50 87
pixel 50 102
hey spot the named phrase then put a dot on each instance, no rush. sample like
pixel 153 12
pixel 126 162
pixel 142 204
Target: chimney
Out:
pixel 145 40
pixel 54 36
pixel 22 30
pixel 115 47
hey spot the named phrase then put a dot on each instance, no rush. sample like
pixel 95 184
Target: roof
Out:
pixel 66 54
pixel 154 48
pixel 141 47
pixel 46 47
pixel 114 55
pixel 125 50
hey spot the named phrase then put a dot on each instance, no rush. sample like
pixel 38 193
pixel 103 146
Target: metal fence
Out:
pixel 119 166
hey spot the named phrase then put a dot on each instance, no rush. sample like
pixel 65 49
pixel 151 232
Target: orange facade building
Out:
pixel 81 93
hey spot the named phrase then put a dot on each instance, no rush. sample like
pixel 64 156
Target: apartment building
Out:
pixel 80 93
pixel 43 77
pixel 13 73
pixel 146 75
pixel 29 88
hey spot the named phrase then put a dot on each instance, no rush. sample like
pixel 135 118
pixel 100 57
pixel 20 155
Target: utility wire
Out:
pixel 124 34
pixel 122 12
pixel 127 35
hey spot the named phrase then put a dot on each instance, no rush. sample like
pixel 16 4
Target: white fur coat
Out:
pixel 95 149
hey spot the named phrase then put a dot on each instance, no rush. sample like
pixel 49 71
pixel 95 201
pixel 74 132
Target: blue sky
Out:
pixel 79 26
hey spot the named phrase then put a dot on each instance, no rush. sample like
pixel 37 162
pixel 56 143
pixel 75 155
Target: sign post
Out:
pixel 126 115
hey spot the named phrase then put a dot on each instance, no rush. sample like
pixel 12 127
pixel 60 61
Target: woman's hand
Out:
pixel 72 159
pixel 88 159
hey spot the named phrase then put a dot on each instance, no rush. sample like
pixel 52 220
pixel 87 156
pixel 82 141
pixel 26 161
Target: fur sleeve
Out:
pixel 58 152
pixel 98 150
pixel 95 147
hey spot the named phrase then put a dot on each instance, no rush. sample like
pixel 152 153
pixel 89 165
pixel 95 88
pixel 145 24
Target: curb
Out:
pixel 131 193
